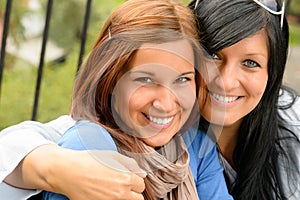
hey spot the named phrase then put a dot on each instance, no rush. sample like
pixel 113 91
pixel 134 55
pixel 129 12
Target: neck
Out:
pixel 226 140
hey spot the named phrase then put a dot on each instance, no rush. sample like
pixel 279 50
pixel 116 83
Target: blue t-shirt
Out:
pixel 204 162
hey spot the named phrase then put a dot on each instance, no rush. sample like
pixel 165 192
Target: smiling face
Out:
pixel 238 82
pixel 156 96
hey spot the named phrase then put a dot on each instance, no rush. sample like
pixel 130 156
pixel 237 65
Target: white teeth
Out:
pixel 223 98
pixel 160 121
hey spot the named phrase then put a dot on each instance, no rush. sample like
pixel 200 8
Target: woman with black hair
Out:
pixel 253 117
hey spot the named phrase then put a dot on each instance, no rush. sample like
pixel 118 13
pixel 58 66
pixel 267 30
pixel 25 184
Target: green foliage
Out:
pixel 295 34
pixel 101 9
pixel 18 10
pixel 19 77
pixel 18 88
pixel 294 8
pixel 66 22
pixel 16 95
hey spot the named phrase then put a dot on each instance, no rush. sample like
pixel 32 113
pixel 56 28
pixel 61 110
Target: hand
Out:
pixel 83 175
pixel 103 175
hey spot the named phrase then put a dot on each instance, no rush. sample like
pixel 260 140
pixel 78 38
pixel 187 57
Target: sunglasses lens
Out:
pixel 272 4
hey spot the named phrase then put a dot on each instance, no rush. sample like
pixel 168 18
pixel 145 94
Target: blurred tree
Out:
pixel 294 8
pixel 16 28
pixel 67 19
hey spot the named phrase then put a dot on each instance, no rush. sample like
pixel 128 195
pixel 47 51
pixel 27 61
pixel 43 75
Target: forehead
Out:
pixel 172 54
pixel 258 42
pixel 255 44
pixel 182 48
pixel 261 36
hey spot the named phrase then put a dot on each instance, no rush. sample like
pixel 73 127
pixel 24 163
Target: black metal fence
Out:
pixel 7 14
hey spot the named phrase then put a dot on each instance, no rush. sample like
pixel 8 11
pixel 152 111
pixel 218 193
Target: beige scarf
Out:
pixel 168 170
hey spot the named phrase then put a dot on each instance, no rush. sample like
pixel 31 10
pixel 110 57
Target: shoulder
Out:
pixel 289 108
pixel 86 135
pixel 199 143
pixel 205 166
pixel 289 132
pixel 289 161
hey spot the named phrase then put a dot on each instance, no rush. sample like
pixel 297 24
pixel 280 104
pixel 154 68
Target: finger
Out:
pixel 138 184
pixel 130 164
pixel 136 196
pixel 109 159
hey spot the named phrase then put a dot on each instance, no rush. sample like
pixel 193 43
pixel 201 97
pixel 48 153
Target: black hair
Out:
pixel 260 146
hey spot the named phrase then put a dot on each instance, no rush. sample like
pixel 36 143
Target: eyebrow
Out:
pixel 153 74
pixel 191 72
pixel 258 54
pixel 142 72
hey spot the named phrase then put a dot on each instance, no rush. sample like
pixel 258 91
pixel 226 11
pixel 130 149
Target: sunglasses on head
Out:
pixel 272 6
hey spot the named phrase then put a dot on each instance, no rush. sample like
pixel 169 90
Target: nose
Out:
pixel 165 100
pixel 227 77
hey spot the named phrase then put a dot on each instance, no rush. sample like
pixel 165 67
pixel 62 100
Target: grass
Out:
pixel 18 89
pixel 295 34
pixel 19 80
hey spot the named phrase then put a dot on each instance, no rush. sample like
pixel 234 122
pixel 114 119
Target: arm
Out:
pixel 55 173
pixel 78 175
pixel 206 168
pixel 19 140
pixel 288 163
pixel 85 135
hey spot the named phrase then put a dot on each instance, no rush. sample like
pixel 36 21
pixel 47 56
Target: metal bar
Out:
pixel 4 38
pixel 84 32
pixel 42 57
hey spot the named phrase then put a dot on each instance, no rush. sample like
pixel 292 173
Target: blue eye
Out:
pixel 182 79
pixel 215 56
pixel 143 80
pixel 251 64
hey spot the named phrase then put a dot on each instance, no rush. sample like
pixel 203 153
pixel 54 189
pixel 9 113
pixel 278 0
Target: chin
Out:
pixel 216 119
pixel 156 142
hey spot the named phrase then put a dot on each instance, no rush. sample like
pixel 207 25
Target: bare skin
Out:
pixel 119 181
pixel 236 88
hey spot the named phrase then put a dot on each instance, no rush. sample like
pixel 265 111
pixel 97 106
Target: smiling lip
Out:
pixel 160 122
pixel 224 99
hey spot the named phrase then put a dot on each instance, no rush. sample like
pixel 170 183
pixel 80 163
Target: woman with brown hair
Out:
pixel 137 94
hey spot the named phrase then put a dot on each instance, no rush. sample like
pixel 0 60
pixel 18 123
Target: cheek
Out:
pixel 258 85
pixel 136 100
pixel 128 104
pixel 209 71
pixel 122 98
pixel 186 97
pixel 205 106
pixel 139 101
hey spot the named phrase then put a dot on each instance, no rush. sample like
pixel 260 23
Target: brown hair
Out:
pixel 134 23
